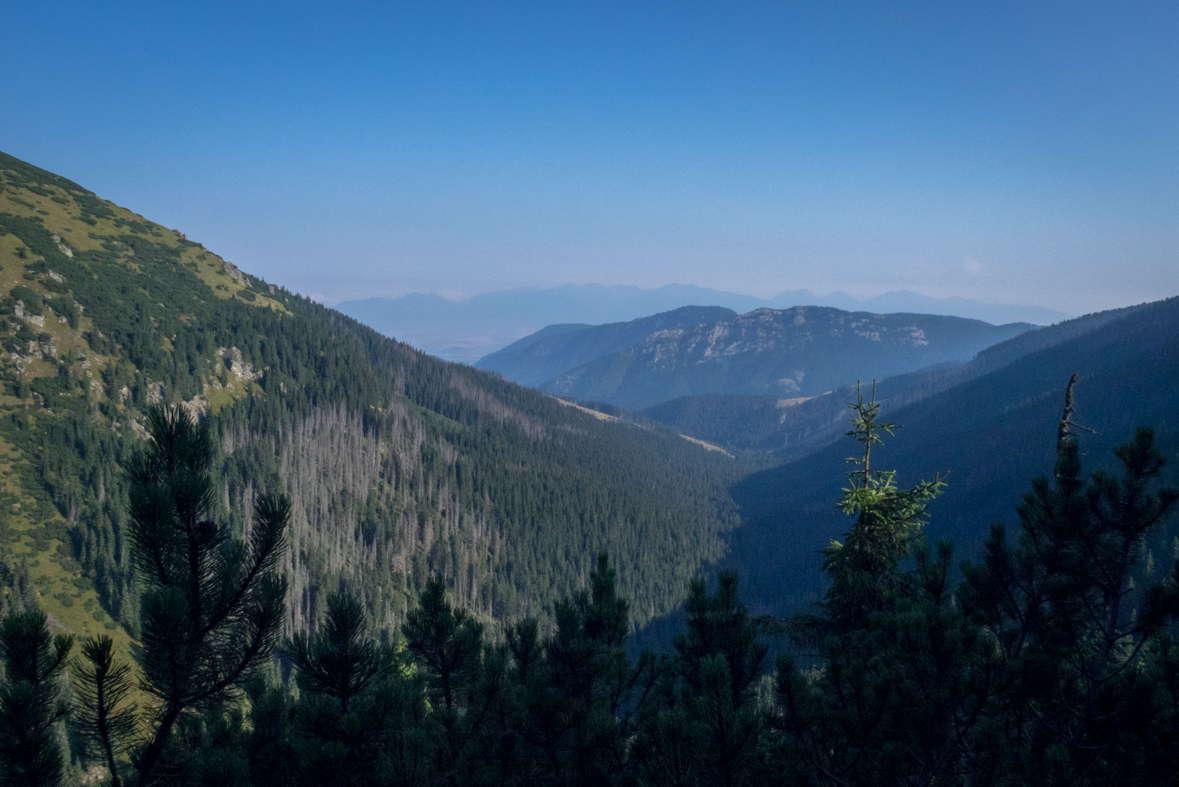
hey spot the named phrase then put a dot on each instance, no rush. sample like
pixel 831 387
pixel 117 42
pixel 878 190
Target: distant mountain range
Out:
pixel 469 329
pixel 786 353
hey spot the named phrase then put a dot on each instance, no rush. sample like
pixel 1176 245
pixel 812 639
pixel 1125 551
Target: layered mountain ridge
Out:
pixel 791 427
pixel 555 349
pixel 466 330
pixel 790 354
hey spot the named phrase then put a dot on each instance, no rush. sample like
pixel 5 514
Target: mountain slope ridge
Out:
pixel 400 465
pixel 791 353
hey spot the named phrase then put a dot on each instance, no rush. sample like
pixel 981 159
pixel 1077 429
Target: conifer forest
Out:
pixel 1048 660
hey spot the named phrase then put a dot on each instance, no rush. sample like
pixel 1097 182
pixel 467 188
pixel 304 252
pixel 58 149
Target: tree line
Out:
pixel 1050 660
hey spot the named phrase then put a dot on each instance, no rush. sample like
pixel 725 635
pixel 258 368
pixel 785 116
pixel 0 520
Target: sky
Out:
pixel 1013 152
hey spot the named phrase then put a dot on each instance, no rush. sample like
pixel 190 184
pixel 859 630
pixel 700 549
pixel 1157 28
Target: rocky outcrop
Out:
pixel 64 249
pixel 235 273
pixel 238 368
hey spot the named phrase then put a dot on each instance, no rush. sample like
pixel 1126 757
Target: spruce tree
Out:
pixel 901 678
pixel 863 568
pixel 1082 631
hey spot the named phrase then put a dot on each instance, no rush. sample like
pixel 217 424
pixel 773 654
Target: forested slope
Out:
pixel 990 434
pixel 399 465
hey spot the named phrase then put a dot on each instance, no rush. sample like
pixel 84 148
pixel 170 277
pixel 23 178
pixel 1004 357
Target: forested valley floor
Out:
pixel 1050 658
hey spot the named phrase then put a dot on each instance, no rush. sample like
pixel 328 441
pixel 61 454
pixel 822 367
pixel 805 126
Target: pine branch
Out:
pixel 101 716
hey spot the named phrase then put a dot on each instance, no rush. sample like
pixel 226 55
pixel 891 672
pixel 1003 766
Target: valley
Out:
pixel 589 395
pixel 687 445
pixel 402 466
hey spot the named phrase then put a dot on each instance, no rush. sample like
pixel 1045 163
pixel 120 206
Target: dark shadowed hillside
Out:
pixel 989 435
pixel 793 427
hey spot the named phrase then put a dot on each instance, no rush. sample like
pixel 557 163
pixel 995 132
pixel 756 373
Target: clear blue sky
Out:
pixel 1020 152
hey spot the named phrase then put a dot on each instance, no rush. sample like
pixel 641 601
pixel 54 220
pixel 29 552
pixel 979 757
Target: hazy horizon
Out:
pixel 460 296
pixel 469 329
pixel 1002 153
